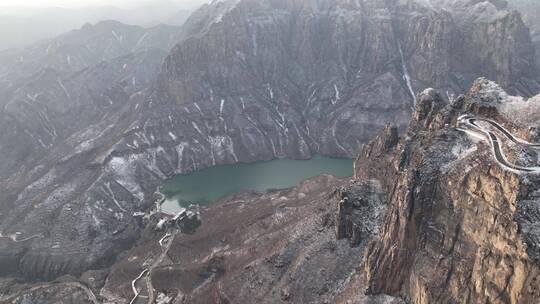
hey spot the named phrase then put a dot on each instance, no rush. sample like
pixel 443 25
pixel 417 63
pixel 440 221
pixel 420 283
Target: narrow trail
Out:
pixel 469 121
pixel 147 288
pixel 136 292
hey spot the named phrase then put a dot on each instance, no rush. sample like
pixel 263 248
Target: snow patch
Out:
pixel 180 152
pixel 64 88
pixel 461 152
pixel 140 40
pixel 123 169
pixel 406 76
pixel 196 127
pixel 520 111
pixel 222 104
pixel 220 147
pixel 118 37
pixel 336 95
pixel 198 108
pixel 271 92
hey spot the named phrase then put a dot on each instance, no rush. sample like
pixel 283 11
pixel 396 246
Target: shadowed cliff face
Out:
pixel 252 80
pixel 530 9
pixel 460 228
pixel 307 65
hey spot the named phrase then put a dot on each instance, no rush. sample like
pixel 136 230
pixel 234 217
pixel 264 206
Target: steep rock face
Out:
pixel 479 27
pixel 530 9
pixel 359 212
pixel 308 65
pixel 460 228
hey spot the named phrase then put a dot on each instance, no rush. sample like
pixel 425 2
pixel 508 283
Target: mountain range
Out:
pixel 23 26
pixel 95 119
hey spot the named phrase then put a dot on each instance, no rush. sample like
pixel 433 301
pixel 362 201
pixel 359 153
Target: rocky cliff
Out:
pixel 463 208
pixel 249 81
pixel 530 9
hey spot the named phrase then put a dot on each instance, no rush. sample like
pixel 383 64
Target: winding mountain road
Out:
pixel 146 290
pixel 495 142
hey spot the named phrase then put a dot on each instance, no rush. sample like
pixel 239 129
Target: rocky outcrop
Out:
pixel 360 212
pixel 456 230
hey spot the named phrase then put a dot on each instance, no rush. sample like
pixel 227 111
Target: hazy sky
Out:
pixel 82 3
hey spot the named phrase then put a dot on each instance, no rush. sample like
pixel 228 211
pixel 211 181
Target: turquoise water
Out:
pixel 208 185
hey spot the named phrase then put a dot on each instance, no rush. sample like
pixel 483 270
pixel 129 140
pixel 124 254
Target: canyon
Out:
pixel 90 133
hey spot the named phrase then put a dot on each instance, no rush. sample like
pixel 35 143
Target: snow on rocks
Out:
pixel 523 112
pixel 123 169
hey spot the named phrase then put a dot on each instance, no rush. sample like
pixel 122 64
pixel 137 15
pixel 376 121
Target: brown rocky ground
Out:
pixel 275 247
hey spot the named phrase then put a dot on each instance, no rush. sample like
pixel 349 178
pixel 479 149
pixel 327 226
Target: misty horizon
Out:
pixel 66 4
pixel 25 23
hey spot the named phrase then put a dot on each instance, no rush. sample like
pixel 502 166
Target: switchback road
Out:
pixel 471 122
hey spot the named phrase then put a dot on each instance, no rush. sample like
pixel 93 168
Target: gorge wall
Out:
pixel 460 228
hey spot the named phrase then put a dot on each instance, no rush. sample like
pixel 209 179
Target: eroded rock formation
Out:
pixel 459 227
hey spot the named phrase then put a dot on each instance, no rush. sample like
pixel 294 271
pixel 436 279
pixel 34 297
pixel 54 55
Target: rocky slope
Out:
pixel 251 80
pixel 460 227
pixel 273 247
pixel 57 88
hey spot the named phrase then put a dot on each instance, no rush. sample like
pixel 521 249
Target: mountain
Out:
pixel 58 87
pixel 21 27
pixel 311 64
pixel 290 253
pixel 85 47
pixel 246 81
pixel 462 221
pixel 530 10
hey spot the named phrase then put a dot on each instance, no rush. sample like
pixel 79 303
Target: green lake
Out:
pixel 208 185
